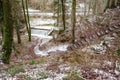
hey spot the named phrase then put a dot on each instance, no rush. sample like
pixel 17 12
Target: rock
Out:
pixel 116 27
pixel 108 38
pixel 106 31
pixel 98 49
pixel 75 46
pixel 94 49
pixel 98 34
pixel 111 29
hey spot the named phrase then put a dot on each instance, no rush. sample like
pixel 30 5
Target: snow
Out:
pixel 82 5
pixel 41 14
pixel 52 49
pixel 30 10
pixel 107 75
pixel 45 27
pixel 108 63
pixel 36 48
pixel 58 48
pixel 41 36
pixel 8 78
pixel 1 62
pixel 38 21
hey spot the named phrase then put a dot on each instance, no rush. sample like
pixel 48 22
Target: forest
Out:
pixel 59 39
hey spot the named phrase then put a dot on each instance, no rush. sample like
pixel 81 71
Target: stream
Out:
pixel 41 28
pixel 42 24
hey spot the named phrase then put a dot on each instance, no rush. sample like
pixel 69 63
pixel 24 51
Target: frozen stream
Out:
pixel 41 28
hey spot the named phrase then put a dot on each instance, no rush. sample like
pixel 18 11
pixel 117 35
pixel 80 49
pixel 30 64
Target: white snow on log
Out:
pixel 41 14
pixel 30 10
pixel 38 21
pixel 45 27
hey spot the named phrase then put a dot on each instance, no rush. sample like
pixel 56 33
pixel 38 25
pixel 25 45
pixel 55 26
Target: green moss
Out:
pixel 15 70
pixel 32 62
pixel 28 78
pixel 41 61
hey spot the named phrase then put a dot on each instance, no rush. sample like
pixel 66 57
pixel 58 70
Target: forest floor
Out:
pixel 78 64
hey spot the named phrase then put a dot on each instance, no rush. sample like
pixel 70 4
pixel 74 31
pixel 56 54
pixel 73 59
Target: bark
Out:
pixel 16 20
pixel 63 13
pixel 26 20
pixel 1 17
pixel 8 31
pixel 73 20
pixel 58 12
pixel 17 28
pixel 95 6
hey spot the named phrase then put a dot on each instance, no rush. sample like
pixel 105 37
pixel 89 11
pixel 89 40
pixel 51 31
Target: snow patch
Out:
pixel 38 21
pixel 58 48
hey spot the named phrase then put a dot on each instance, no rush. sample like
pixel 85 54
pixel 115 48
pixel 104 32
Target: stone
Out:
pixel 102 32
pixel 106 31
pixel 75 46
pixel 76 43
pixel 90 37
pixel 98 34
pixel 95 36
pixel 82 41
pixel 97 49
pixel 111 29
pixel 87 40
pixel 116 27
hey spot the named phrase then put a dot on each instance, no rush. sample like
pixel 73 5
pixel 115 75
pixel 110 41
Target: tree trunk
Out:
pixel 63 13
pixel 73 20
pixel 17 28
pixel 16 20
pixel 26 19
pixel 111 4
pixel 8 31
pixel 1 17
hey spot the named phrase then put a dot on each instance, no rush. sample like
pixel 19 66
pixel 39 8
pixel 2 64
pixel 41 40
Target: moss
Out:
pixel 15 70
pixel 41 61
pixel 28 78
pixel 32 62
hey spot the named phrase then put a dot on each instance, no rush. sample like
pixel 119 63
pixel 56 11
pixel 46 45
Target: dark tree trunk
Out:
pixel 16 20
pixel 63 13
pixel 17 27
pixel 8 31
pixel 26 19
pixel 73 19
pixel 1 17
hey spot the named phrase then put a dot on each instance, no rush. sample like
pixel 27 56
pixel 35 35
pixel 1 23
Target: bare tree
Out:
pixel 73 19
